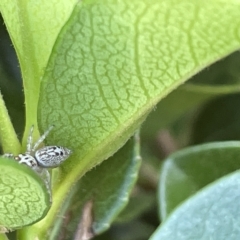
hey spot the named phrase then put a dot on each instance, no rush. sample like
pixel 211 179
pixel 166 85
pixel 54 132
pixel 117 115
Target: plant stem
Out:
pixel 8 137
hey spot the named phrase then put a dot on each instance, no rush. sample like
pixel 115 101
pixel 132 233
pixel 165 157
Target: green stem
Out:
pixel 8 137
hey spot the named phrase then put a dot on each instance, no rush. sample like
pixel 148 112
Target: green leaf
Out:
pixel 213 213
pixel 24 198
pixel 114 60
pixel 81 90
pixel 185 172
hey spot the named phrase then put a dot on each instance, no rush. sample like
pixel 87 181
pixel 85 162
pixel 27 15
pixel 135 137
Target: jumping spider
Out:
pixel 45 157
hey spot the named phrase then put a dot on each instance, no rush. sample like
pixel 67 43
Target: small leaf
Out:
pixel 24 198
pixel 185 172
pixel 109 185
pixel 212 213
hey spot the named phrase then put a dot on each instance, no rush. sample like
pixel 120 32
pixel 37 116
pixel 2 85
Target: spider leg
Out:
pixel 41 139
pixel 29 140
pixel 8 155
pixel 46 177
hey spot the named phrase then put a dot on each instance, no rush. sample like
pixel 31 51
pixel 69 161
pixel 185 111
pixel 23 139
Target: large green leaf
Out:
pixel 213 213
pixel 114 60
pixel 86 90
pixel 187 171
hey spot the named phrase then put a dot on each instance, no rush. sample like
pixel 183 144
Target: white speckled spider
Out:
pixel 46 157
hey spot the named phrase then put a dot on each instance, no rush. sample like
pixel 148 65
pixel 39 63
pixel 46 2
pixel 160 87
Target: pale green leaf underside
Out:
pixel 24 198
pixel 115 60
pixel 213 213
pixel 186 171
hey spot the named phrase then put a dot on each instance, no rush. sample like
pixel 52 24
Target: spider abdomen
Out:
pixel 51 156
